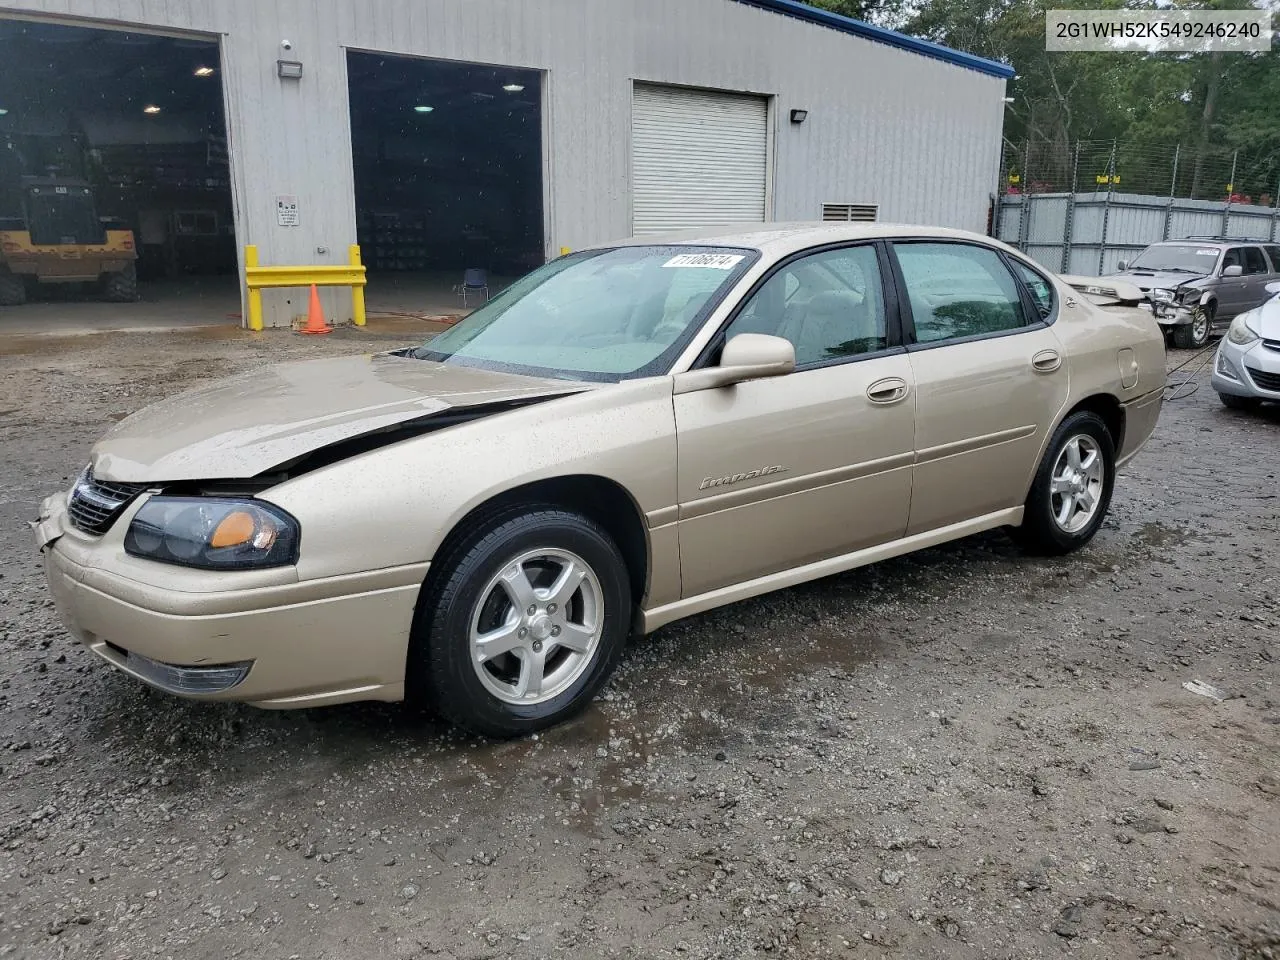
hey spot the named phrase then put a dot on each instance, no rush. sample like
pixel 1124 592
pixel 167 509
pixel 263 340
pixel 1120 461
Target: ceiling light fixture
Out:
pixel 150 108
pixel 3 111
pixel 513 87
pixel 204 71
pixel 422 108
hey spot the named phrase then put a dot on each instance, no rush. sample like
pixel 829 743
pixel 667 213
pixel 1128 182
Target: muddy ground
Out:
pixel 964 753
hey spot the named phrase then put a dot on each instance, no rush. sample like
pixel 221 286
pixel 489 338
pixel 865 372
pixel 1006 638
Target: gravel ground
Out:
pixel 963 753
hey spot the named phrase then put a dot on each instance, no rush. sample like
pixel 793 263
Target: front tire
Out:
pixel 1191 336
pixel 121 286
pixel 1071 492
pixel 525 622
pixel 13 292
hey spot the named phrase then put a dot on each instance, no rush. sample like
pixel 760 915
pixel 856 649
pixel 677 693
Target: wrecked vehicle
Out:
pixel 628 435
pixel 1195 286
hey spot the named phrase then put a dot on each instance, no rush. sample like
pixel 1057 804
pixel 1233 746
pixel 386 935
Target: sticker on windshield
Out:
pixel 1206 252
pixel 713 261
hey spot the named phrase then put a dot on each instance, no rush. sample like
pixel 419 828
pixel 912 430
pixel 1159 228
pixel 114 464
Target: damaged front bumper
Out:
pixel 259 636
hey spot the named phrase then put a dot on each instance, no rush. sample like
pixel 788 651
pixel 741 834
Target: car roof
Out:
pixel 779 239
pixel 1206 242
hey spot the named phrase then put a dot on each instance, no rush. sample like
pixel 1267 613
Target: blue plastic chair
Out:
pixel 475 282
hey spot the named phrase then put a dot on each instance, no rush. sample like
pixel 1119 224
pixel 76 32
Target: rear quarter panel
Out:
pixel 1117 351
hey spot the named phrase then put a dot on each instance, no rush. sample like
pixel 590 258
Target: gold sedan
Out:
pixel 628 435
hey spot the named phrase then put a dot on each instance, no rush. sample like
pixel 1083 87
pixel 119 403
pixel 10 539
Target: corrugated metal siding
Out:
pixel 1131 221
pixel 698 158
pixel 917 136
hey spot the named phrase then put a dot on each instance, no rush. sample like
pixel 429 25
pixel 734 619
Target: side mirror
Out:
pixel 1273 287
pixel 1122 266
pixel 1234 270
pixel 747 356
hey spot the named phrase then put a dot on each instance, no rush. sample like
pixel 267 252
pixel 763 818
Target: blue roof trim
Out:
pixel 860 28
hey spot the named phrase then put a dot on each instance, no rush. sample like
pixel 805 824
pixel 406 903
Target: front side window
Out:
pixel 1253 261
pixel 596 315
pixel 1274 254
pixel 830 305
pixel 958 290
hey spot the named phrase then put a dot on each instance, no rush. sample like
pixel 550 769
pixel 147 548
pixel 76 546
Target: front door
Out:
pixel 777 473
pixel 1232 291
pixel 990 379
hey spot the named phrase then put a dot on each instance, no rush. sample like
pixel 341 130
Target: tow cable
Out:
pixel 1190 379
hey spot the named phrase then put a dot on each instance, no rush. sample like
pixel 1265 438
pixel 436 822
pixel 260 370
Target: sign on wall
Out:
pixel 287 210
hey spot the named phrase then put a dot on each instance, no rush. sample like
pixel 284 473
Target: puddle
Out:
pixel 1158 535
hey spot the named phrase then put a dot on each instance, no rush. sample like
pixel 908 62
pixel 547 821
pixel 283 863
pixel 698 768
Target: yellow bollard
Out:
pixel 255 294
pixel 357 291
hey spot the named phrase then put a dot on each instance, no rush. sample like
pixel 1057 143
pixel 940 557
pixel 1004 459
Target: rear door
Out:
pixel 990 377
pixel 1257 273
pixel 777 473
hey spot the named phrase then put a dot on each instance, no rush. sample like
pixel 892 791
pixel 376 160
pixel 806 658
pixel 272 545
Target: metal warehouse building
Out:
pixel 443 135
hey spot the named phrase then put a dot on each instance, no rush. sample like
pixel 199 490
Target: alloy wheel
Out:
pixel 1200 326
pixel 1076 483
pixel 536 626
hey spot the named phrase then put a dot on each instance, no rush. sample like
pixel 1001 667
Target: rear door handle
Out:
pixel 1046 361
pixel 887 391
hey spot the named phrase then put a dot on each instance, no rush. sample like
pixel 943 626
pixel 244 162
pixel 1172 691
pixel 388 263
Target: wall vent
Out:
pixel 850 212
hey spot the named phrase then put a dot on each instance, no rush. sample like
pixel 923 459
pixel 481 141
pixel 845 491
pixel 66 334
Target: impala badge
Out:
pixel 709 482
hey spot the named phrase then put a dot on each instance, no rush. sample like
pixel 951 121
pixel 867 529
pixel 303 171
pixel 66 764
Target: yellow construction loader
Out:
pixel 58 237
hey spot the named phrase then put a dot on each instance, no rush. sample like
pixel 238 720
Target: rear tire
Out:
pixel 13 291
pixel 1190 336
pixel 523 624
pixel 121 286
pixel 1232 402
pixel 1071 492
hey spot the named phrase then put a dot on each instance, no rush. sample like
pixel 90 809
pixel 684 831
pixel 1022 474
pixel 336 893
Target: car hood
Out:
pixel 1266 319
pixel 250 423
pixel 1148 280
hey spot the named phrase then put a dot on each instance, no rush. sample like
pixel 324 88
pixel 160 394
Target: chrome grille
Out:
pixel 95 504
pixel 1267 381
pixel 1271 344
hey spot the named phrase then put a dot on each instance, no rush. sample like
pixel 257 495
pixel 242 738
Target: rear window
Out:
pixel 63 215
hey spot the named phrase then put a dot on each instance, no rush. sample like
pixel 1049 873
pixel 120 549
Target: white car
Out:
pixel 1246 370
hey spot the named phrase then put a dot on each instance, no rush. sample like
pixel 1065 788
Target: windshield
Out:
pixel 596 315
pixel 1179 257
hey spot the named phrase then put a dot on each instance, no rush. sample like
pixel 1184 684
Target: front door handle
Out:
pixel 887 391
pixel 1046 361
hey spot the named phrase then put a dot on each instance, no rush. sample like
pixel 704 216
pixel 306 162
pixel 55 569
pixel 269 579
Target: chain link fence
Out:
pixel 1162 170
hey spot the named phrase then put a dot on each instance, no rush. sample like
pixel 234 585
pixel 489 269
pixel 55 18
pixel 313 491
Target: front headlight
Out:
pixel 213 534
pixel 1160 295
pixel 1241 331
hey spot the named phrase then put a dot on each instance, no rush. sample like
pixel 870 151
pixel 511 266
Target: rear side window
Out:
pixel 1041 289
pixel 958 290
pixel 1253 262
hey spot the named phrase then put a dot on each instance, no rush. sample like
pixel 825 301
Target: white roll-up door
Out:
pixel 698 158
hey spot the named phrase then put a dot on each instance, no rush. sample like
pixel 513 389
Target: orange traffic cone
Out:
pixel 315 316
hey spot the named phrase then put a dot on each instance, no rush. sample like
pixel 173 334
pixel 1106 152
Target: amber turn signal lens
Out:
pixel 235 529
